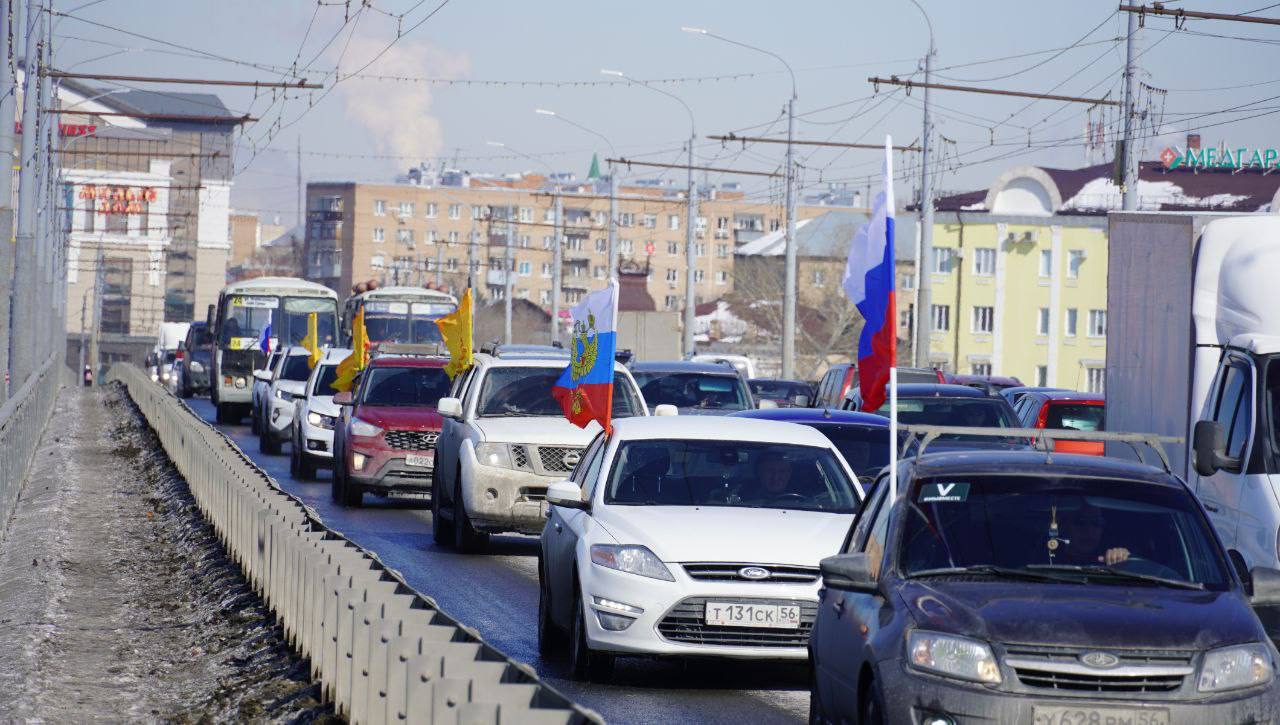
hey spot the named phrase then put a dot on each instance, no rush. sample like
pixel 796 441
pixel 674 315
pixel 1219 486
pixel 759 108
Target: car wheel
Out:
pixel 266 442
pixel 816 714
pixel 220 413
pixel 187 393
pixel 295 464
pixel 349 493
pixel 465 537
pixel 550 638
pixel 306 467
pixel 586 665
pixel 255 423
pixel 441 530
pixel 871 704
pixel 335 486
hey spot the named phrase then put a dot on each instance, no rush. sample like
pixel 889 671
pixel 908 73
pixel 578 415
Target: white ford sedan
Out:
pixel 691 536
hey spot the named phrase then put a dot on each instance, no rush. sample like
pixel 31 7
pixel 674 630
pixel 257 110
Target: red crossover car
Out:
pixel 385 440
pixel 1065 410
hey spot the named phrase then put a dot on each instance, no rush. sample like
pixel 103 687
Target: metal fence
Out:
pixel 382 652
pixel 22 420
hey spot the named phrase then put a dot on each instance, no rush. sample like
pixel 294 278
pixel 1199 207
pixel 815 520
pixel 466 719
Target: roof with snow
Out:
pixel 828 235
pixel 1089 191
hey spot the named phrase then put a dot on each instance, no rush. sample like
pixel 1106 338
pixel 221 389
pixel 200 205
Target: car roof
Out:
pixel 989 379
pixel 1023 389
pixel 815 416
pixel 483 359
pixel 1036 463
pixel 1070 395
pixel 408 361
pixel 682 366
pixel 334 355
pixel 718 428
pixel 780 380
pixel 939 390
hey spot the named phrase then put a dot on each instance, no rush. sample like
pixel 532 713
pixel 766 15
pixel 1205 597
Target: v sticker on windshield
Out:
pixel 944 493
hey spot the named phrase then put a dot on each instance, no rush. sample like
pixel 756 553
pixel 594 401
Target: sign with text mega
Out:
pixel 1220 158
pixel 118 199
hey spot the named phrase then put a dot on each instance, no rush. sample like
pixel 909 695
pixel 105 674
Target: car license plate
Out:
pixel 426 460
pixel 1099 716
pixel 736 614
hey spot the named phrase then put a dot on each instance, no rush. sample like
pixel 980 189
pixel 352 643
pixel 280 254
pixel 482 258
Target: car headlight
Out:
pixel 951 656
pixel 241 382
pixel 1231 668
pixel 196 367
pixel 497 455
pixel 365 429
pixel 632 559
pixel 320 421
pixel 164 377
pixel 283 395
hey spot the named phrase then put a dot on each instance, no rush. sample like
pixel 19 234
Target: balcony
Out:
pixel 325 215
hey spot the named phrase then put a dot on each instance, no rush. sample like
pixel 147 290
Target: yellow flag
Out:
pixel 456 330
pixel 351 366
pixel 312 341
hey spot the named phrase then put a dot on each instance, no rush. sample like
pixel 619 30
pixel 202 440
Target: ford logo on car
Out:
pixel 754 573
pixel 1100 660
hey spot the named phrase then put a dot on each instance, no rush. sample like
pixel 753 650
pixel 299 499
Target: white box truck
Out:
pixel 1193 350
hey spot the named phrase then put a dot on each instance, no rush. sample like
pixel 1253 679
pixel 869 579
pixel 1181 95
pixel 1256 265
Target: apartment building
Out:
pixel 448 227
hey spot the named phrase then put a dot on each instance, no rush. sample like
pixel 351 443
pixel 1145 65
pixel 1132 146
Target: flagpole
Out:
pixel 893 435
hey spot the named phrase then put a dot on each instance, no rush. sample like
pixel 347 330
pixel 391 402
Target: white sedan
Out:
pixel 691 536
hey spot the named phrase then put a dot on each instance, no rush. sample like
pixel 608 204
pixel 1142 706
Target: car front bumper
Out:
pixel 910 697
pixel 317 442
pixel 672 622
pixel 504 499
pixel 279 419
pixel 231 393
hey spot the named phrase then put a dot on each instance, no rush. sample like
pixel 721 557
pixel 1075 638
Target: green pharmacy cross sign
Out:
pixel 1220 158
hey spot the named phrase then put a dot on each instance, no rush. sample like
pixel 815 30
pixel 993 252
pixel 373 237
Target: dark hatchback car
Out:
pixel 692 387
pixel 1014 587
pixel 783 393
pixel 861 438
pixel 946 405
pixel 194 360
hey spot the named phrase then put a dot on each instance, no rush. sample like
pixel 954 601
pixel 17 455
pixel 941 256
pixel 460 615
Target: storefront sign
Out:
pixel 66 129
pixel 1220 158
pixel 118 199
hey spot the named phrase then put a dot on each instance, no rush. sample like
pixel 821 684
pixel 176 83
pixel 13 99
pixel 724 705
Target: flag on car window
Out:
pixel 352 364
pixel 585 388
pixel 312 341
pixel 264 340
pixel 456 329
pixel 869 281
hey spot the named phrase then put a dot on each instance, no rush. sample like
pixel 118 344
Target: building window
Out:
pixel 722 277
pixel 406 209
pixel 980 369
pixel 379 234
pixel 451 264
pixel 941 318
pixel 1096 380
pixel 377 261
pixel 983 319
pixel 453 237
pixel 700 249
pixel 625 246
pixel 722 223
pixel 1097 323
pixel 1042 376
pixel 1073 316
pixel 432 236
pixel 671 302
pixel 598 271
pixel 1046 263
pixel 722 251
pixel 431 210
pixel 698 276
pixel 701 226
pixel 524 268
pixel 673 222
pixel 673 249
pixel 404 236
pixel 573 296
pixel 544 297
pixel 117 293
pixel 379 207
pixel 673 276
pixel 984 262
pixel 1075 258
pixel 525 241
pixel 774 224
pixel 526 214
pixel 90 213
pixel 942 260
pixel 602 245
pixel 549 215
pixel 455 211
pixel 819 278
pixel 546 270
pixel 649 221
pixel 548 242
pixel 118 223
pixel 906 281
pixel 1042 321
pixel 626 219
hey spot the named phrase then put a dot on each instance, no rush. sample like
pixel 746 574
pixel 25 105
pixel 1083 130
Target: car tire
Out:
pixel 585 664
pixel 871 704
pixel 255 420
pixel 221 416
pixel 306 467
pixel 441 530
pixel 466 540
pixel 295 465
pixel 816 714
pixel 349 494
pixel 185 391
pixel 551 639
pixel 266 442
pixel 335 486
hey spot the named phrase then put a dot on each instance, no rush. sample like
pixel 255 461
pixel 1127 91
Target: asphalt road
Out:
pixel 497 593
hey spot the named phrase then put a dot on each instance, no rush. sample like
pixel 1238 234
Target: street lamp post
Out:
pixel 924 261
pixel 689 299
pixel 613 187
pixel 789 290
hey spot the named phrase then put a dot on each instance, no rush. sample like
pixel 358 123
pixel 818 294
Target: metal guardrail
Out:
pixel 22 420
pixel 383 652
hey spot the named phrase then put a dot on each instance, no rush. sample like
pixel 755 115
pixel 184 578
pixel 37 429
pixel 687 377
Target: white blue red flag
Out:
pixel 869 281
pixel 585 388
pixel 264 340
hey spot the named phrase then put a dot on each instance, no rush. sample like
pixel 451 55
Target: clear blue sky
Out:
pixel 834 46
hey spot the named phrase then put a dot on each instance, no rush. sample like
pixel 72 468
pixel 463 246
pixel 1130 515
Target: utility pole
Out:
pixel 298 207
pixel 440 263
pixel 789 291
pixel 99 278
pixel 45 246
pixel 508 264
pixel 1130 160
pixel 613 221
pixel 690 303
pixel 471 252
pixel 557 261
pixel 8 105
pixel 924 271
pixel 26 272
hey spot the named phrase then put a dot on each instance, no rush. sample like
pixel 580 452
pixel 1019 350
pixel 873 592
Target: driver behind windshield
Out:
pixel 1080 538
pixel 773 479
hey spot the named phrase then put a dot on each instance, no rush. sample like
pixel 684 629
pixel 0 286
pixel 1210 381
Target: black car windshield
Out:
pixel 1063 525
pixel 866 450
pixel 295 368
pixel 705 391
pixel 526 391
pixel 779 389
pixel 964 412
pixel 325 378
pixel 729 473
pixel 409 387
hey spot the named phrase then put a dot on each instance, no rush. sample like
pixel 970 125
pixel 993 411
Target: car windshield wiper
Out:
pixel 990 570
pixel 1111 571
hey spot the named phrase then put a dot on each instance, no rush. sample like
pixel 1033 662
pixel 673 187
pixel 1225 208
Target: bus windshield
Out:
pixel 403 321
pixel 245 316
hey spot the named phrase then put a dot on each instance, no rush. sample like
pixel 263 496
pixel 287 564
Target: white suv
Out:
pixel 288 379
pixel 314 415
pixel 504 440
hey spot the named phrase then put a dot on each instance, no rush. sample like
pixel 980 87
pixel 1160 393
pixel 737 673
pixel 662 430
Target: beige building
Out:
pixel 435 230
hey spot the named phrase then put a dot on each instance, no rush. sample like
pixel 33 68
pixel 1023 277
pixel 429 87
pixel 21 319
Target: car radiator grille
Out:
pixel 685 623
pixel 1060 669
pixel 412 440
pixel 730 573
pixel 553 458
pixel 520 457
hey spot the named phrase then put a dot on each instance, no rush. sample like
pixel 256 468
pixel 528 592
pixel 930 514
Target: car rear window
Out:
pixel 1075 416
pixel 704 391
pixel 518 391
pixel 296 368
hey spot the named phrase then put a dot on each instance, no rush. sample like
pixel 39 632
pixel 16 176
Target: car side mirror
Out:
pixel 263 375
pixel 666 409
pixel 800 401
pixel 343 398
pixel 1210 448
pixel 767 404
pixel 1266 587
pixel 848 572
pixel 449 408
pixel 565 494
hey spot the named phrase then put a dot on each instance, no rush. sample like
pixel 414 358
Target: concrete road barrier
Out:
pixel 381 651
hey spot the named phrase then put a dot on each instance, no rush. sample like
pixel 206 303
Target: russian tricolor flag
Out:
pixel 585 388
pixel 869 281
